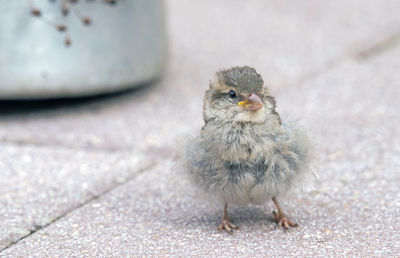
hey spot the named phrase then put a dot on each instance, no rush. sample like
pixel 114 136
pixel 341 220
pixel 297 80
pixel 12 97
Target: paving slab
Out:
pixel 352 208
pixel 285 41
pixel 40 184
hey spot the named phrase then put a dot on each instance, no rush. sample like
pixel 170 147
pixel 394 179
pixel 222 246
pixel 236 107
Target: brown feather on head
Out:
pixel 242 84
pixel 244 78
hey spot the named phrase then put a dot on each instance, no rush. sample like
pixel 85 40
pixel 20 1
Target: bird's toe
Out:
pixel 282 220
pixel 227 226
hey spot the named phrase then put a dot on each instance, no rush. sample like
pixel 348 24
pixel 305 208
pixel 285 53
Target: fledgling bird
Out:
pixel 244 153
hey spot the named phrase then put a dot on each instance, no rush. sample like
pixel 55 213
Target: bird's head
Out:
pixel 237 94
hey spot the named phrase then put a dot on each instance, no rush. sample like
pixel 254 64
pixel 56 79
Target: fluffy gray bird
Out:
pixel 245 154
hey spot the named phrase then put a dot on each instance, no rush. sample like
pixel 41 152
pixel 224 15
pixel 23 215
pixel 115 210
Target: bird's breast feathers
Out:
pixel 239 142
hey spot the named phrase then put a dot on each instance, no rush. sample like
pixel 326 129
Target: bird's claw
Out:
pixel 227 226
pixel 283 220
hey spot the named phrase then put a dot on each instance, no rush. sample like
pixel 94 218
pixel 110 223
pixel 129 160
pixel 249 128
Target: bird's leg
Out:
pixel 226 224
pixel 281 218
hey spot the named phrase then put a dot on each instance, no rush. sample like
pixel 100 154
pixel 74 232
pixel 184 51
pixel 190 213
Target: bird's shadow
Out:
pixel 244 217
pixel 249 215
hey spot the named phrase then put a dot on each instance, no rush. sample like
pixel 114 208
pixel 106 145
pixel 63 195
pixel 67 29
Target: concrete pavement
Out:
pixel 99 178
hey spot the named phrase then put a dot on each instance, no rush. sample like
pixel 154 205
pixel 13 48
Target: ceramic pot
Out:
pixel 124 46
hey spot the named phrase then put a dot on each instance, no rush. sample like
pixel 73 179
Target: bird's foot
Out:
pixel 227 226
pixel 282 220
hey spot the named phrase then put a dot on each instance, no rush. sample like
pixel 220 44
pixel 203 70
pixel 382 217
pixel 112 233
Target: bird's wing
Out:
pixel 271 100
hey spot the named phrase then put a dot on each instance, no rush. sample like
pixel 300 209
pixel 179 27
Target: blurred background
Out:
pixel 95 110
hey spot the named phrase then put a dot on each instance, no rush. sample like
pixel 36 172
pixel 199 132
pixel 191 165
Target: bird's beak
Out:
pixel 252 103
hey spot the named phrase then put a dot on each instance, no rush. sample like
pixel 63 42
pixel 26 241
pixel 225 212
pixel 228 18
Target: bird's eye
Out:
pixel 232 94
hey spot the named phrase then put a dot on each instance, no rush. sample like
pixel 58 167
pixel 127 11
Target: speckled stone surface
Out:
pixel 350 108
pixel 40 184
